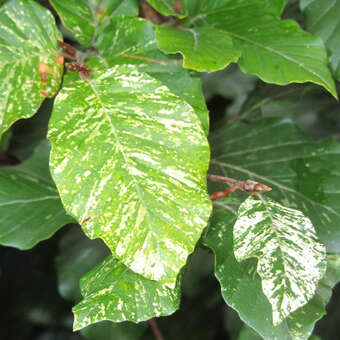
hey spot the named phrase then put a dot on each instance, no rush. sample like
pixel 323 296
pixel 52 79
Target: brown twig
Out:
pixel 155 329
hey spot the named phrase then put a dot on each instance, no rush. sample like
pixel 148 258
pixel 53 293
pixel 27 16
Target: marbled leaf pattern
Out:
pixel 291 261
pixel 129 159
pixel 30 63
pixel 113 292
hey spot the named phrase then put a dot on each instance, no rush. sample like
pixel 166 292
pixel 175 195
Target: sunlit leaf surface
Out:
pixel 30 65
pixel 30 207
pixel 129 159
pixel 291 261
pixel 113 292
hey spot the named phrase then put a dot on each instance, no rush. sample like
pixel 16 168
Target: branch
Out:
pixel 155 329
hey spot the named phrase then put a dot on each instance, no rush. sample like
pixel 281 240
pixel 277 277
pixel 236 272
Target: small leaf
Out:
pixel 82 17
pixel 30 207
pixel 113 292
pixel 291 261
pixel 135 43
pixel 30 63
pixel 241 286
pixel 323 19
pixel 303 173
pixel 136 156
pixel 200 51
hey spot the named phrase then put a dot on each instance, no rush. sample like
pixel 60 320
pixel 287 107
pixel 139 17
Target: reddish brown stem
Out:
pixel 223 193
pixel 155 329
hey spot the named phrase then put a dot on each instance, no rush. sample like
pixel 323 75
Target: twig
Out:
pixel 155 329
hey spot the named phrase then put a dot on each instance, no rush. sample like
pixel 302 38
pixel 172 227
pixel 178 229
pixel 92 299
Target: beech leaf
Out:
pixel 291 261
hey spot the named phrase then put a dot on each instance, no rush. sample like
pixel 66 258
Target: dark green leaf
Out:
pixel 82 17
pixel 323 19
pixel 136 156
pixel 241 286
pixel 134 42
pixel 166 7
pixel 78 255
pixel 113 292
pixel 303 173
pixel 30 206
pixel 291 261
pixel 30 65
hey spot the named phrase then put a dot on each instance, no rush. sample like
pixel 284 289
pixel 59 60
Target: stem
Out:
pixel 222 179
pixel 155 329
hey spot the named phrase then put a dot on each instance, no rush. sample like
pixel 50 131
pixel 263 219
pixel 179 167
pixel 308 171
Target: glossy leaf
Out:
pixel 323 19
pixel 272 49
pixel 30 206
pixel 113 292
pixel 134 43
pixel 302 173
pixel 127 179
pixel 167 7
pixel 203 48
pixel 241 285
pixel 77 256
pixel 291 261
pixel 30 65
pixel 82 17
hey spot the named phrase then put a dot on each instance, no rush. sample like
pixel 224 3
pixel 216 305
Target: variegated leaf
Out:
pixel 129 159
pixel 291 261
pixel 113 292
pixel 30 63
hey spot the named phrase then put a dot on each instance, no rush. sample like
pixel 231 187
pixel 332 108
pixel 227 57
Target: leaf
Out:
pixel 302 173
pixel 136 157
pixel 82 17
pixel 199 50
pixel 241 286
pixel 106 330
pixel 77 256
pixel 167 7
pixel 30 63
pixel 291 261
pixel 30 207
pixel 272 49
pixel 323 19
pixel 134 43
pixel 113 292
pixel 248 334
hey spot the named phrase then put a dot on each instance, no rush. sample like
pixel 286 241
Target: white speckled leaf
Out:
pixel 241 285
pixel 30 65
pixel 30 207
pixel 129 159
pixel 134 42
pixel 83 17
pixel 291 261
pixel 113 292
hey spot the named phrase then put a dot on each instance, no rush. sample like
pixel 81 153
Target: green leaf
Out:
pixel 203 48
pixel 136 155
pixel 134 43
pixel 241 285
pixel 113 292
pixel 302 173
pixel 30 206
pixel 291 261
pixel 30 65
pixel 323 19
pixel 82 17
pixel 166 7
pixel 107 330
pixel 77 255
pixel 272 49
pixel 248 334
